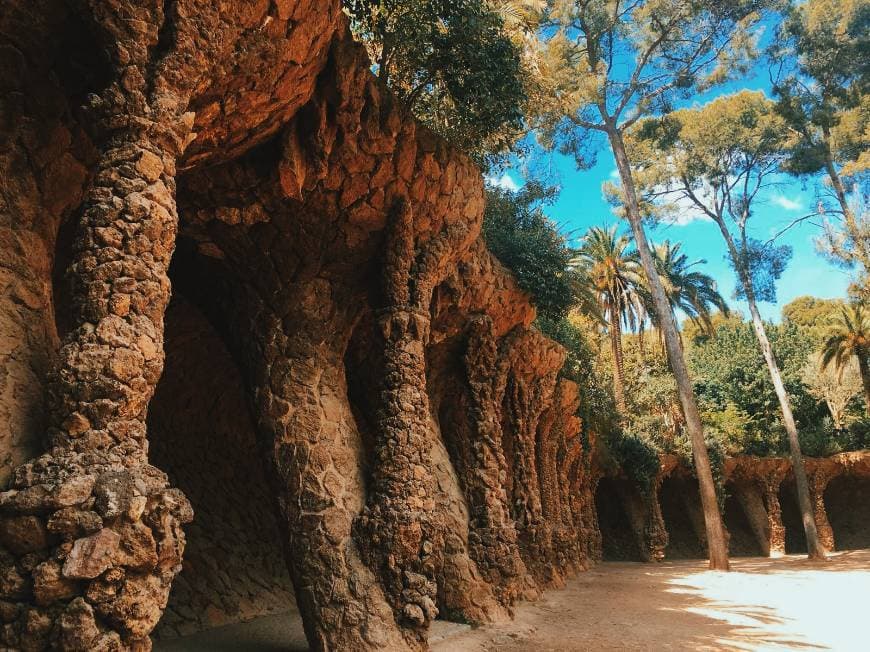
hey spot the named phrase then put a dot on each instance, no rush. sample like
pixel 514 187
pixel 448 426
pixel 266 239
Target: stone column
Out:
pixel 655 533
pixel 818 482
pixel 750 498
pixel 115 518
pixel 692 503
pixel 590 532
pixel 314 449
pixel 567 470
pixel 492 535
pixel 637 509
pixel 108 537
pixel 775 528
pixel 401 530
pixel 524 405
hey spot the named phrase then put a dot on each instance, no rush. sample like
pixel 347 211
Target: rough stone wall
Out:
pixel 328 246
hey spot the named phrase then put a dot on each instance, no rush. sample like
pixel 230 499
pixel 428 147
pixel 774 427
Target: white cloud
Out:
pixel 505 182
pixel 787 204
pixel 614 174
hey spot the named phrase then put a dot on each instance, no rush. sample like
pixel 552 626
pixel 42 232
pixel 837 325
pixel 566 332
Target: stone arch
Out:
pixel 742 541
pixel 795 539
pixel 847 502
pixel 202 433
pixel 684 537
pixel 617 540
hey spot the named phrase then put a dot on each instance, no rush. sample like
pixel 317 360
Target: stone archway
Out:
pixel 617 539
pixel 683 539
pixel 202 434
pixel 847 502
pixel 743 541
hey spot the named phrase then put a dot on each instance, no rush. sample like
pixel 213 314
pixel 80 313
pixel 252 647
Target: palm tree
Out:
pixel 688 290
pixel 615 275
pixel 850 336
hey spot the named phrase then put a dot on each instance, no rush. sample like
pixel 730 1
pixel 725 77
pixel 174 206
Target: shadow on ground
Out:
pixel 763 604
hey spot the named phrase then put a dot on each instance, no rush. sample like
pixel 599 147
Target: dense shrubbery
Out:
pixel 637 456
pixel 453 64
pixel 528 243
pixel 739 407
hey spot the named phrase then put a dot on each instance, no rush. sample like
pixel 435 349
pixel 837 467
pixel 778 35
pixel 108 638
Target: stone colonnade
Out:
pixel 247 154
pixel 758 485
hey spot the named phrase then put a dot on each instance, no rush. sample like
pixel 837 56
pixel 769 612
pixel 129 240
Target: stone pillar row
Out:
pixel 759 498
pixel 91 534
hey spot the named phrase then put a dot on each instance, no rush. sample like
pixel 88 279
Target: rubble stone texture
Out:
pixel 250 334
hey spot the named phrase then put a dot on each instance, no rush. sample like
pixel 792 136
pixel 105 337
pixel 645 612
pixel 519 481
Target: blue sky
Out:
pixel 581 204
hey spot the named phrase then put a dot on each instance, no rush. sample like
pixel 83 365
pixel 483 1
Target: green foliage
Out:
pixel 525 240
pixel 848 336
pixel 596 411
pixel 610 267
pixel 737 432
pixel 451 62
pixel 824 49
pixel 819 441
pixel 823 93
pixel 811 315
pixel 637 457
pixel 730 375
pixel 690 291
pixel 857 437
pixel 653 410
pixel 765 262
pixel 605 64
pixel 716 452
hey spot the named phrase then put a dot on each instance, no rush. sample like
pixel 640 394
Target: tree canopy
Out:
pixel 453 64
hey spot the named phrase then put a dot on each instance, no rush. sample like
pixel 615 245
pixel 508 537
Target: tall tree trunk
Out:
pixel 864 368
pixel 717 547
pixel 814 545
pixel 618 367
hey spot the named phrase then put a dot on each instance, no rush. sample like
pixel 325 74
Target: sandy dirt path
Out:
pixel 763 604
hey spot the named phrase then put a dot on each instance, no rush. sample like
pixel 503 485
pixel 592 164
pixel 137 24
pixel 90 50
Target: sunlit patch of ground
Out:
pixel 763 604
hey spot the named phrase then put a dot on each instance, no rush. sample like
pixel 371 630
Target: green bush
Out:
pixel 528 243
pixel 716 453
pixel 637 457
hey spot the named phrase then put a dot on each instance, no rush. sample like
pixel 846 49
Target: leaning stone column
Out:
pixel 655 532
pixel 401 529
pixel 590 533
pixel 775 527
pixel 396 530
pixel 636 510
pixel 525 402
pixel 492 535
pixel 96 537
pixel 818 483
pixel 313 447
pixel 750 499
pixel 92 533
